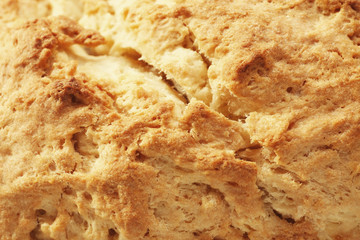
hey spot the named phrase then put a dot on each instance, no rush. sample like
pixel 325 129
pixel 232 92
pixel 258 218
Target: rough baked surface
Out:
pixel 179 119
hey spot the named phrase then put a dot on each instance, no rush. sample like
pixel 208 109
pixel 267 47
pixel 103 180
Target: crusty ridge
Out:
pixel 96 144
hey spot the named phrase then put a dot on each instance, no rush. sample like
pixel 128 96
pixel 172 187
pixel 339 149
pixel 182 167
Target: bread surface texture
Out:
pixel 180 119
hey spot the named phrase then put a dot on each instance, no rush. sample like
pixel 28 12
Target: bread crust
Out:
pixel 179 119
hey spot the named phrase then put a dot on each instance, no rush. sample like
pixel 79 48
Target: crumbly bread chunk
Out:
pixel 179 119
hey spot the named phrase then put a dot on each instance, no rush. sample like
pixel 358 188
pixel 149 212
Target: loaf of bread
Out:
pixel 180 119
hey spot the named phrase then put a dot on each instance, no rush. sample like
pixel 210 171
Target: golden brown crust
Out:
pixel 182 120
